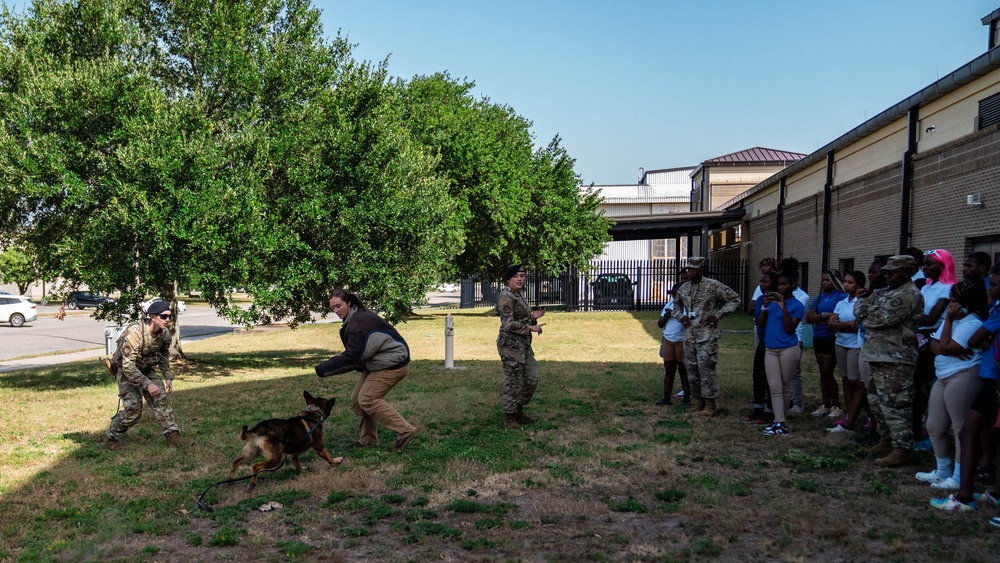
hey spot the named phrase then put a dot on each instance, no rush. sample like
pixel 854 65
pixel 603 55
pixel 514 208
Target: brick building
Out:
pixel 924 173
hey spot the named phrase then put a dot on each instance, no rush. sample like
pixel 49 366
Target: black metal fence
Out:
pixel 633 285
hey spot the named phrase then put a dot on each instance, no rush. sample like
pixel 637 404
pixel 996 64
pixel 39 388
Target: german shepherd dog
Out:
pixel 293 436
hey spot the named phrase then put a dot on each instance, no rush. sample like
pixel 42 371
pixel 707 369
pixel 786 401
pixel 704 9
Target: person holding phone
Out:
pixel 780 316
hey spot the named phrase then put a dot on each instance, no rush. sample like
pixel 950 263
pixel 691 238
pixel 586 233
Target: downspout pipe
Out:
pixel 827 189
pixel 913 122
pixel 779 227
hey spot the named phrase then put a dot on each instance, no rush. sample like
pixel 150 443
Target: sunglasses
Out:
pixel 164 316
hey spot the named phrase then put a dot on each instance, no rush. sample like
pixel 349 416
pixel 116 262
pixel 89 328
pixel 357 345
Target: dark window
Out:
pixel 846 265
pixel 989 111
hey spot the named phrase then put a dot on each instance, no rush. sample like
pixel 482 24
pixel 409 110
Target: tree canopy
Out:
pixel 150 143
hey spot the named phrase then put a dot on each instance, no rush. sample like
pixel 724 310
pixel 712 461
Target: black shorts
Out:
pixel 826 346
pixel 985 402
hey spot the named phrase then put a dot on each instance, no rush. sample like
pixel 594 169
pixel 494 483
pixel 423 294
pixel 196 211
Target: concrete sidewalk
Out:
pixel 46 361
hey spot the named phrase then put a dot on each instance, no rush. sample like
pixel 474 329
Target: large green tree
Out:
pixel 153 143
pixel 515 203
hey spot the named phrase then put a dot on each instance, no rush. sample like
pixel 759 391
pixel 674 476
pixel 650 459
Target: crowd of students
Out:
pixel 917 353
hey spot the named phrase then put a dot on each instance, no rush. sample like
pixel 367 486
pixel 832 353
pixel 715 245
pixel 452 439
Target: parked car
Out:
pixel 550 288
pixel 181 306
pixel 17 310
pixel 448 288
pixel 84 299
pixel 613 291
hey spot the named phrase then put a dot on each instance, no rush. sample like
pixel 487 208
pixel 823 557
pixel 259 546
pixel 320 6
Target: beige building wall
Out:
pixel 874 152
pixel 954 116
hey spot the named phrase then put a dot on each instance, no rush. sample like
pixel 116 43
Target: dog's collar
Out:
pixel 314 408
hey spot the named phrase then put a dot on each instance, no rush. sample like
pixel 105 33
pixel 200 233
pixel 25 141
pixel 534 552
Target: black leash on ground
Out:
pixel 206 508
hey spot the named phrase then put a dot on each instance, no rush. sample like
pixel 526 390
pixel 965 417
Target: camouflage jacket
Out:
pixel 707 298
pixel 891 317
pixel 139 351
pixel 515 313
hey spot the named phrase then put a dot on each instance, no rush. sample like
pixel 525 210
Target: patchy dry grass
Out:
pixel 603 475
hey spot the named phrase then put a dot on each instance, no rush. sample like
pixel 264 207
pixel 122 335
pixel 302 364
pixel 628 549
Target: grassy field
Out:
pixel 603 475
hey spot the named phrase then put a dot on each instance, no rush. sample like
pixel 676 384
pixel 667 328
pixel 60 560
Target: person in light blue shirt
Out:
pixel 672 351
pixel 848 350
pixel 780 318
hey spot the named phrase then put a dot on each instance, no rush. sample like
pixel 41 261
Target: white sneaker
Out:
pixel 821 411
pixel 948 483
pixel 796 410
pixel 836 413
pixel 931 477
pixel 840 428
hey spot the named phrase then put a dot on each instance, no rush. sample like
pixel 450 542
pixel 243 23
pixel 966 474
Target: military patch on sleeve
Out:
pixel 127 349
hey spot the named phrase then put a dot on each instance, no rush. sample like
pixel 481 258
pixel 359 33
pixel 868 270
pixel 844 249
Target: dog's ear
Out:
pixel 307 396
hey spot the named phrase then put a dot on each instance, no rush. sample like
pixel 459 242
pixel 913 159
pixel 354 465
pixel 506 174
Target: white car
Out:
pixel 181 307
pixel 448 288
pixel 17 310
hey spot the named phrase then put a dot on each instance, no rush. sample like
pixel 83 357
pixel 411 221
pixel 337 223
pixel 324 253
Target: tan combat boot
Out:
pixel 521 417
pixel 883 447
pixel 898 457
pixel 174 439
pixel 710 408
pixel 510 422
pixel 697 404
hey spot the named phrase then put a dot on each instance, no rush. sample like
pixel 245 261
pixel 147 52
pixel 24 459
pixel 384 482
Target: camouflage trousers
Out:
pixel 700 358
pixel 872 393
pixel 520 372
pixel 131 409
pixel 890 391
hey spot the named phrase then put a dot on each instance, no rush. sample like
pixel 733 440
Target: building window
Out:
pixel 846 265
pixel 989 111
pixel 658 250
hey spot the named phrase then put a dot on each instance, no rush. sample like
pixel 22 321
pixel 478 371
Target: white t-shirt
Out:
pixel 961 331
pixel 804 298
pixel 674 330
pixel 932 293
pixel 845 312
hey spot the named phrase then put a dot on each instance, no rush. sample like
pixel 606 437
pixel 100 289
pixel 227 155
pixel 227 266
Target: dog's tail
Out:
pixel 243 433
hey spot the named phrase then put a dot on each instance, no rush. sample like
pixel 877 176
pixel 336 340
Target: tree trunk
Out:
pixel 176 351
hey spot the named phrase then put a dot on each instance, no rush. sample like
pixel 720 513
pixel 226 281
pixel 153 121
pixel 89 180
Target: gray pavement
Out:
pixel 49 341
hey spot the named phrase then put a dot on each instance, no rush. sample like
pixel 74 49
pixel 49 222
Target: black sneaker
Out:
pixel 664 402
pixel 754 416
pixel 986 476
pixel 685 402
pixel 776 429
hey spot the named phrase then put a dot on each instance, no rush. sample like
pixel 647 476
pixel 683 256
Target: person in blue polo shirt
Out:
pixel 780 318
pixel 824 340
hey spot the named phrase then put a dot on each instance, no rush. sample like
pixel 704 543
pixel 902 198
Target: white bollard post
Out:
pixel 110 336
pixel 449 342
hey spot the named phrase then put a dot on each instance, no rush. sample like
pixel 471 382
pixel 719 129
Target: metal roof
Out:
pixel 756 155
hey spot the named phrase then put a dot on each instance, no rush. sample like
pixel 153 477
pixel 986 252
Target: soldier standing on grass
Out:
pixel 520 371
pixel 141 348
pixel 891 316
pixel 701 304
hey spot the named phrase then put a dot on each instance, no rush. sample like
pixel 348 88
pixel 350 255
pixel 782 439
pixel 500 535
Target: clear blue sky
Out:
pixel 662 84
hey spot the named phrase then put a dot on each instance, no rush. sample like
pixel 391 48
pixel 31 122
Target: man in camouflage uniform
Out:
pixel 702 303
pixel 141 348
pixel 891 316
pixel 520 371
